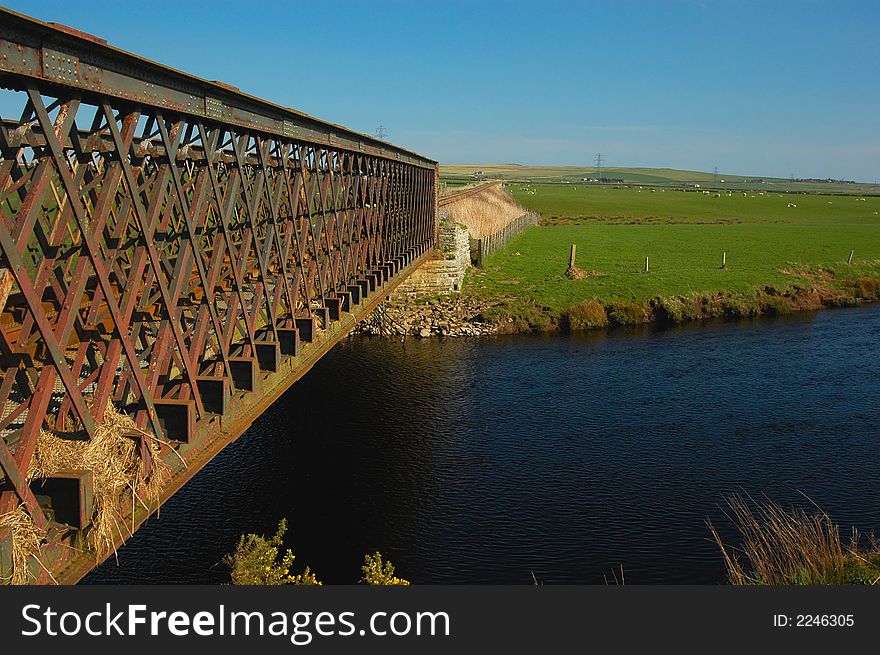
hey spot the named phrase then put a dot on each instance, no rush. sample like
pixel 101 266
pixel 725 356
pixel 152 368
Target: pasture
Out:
pixel 683 234
pixel 571 202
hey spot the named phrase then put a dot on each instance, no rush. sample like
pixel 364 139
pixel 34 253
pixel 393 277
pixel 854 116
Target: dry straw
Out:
pixel 486 212
pixel 26 541
pixel 575 273
pixel 120 482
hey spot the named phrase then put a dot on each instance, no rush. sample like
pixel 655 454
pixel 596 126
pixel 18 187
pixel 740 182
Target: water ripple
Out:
pixel 483 460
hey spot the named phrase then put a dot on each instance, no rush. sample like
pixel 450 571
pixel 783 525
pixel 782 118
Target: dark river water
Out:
pixel 483 460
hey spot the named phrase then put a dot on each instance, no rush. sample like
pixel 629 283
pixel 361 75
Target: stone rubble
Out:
pixel 452 316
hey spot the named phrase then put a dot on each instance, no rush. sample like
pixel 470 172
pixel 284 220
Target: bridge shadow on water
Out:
pixel 482 460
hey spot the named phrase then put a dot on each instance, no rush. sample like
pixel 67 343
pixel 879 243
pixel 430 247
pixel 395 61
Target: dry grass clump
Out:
pixel 118 474
pixel 785 547
pixel 867 287
pixel 486 212
pixel 26 541
pixel 587 315
pixel 575 273
pixel 628 313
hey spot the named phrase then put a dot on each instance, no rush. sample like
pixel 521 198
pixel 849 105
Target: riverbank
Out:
pixel 662 257
pixel 467 314
pixel 448 316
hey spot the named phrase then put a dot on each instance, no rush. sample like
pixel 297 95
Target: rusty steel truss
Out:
pixel 177 248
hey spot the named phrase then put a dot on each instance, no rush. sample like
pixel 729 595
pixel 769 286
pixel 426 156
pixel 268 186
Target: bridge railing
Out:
pixel 165 239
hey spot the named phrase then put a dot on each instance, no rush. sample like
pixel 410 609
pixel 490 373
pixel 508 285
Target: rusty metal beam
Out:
pixel 214 438
pixel 186 257
pixel 30 48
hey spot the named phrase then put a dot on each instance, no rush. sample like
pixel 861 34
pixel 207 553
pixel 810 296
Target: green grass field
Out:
pixel 684 235
pixel 572 202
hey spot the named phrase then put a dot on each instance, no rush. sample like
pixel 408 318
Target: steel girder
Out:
pixel 154 251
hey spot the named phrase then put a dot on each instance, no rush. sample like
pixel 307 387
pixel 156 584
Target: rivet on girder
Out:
pixel 59 66
pixel 214 108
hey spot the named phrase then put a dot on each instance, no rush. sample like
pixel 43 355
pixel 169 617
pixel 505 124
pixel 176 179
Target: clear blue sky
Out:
pixel 764 88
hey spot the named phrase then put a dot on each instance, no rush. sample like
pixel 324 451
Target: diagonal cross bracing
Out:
pixel 177 248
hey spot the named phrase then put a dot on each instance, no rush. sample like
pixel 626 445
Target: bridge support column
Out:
pixel 67 497
pixel 333 306
pixel 288 341
pixel 306 328
pixel 143 449
pixel 324 314
pixel 268 355
pixel 177 418
pixel 215 393
pixel 244 372
pixel 344 300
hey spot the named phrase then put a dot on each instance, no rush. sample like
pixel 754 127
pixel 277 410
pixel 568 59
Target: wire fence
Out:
pixel 482 248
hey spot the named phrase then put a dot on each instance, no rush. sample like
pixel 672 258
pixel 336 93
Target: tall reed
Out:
pixel 793 547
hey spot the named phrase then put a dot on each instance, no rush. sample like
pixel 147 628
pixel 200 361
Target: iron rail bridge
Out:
pixel 177 248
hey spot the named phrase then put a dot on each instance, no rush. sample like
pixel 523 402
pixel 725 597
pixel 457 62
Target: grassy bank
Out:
pixel 778 258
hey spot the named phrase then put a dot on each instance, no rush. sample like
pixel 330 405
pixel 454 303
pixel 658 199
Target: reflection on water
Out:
pixel 482 460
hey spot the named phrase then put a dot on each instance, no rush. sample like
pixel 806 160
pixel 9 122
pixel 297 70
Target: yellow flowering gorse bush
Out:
pixel 256 562
pixel 378 572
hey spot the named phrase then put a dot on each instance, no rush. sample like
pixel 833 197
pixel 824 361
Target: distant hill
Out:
pixel 577 173
pixel 648 176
